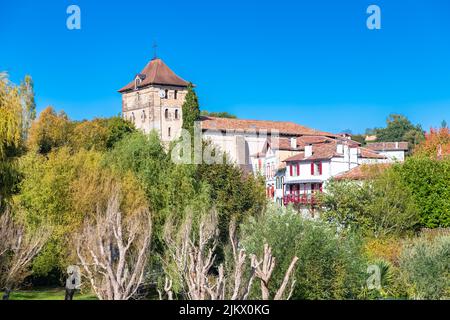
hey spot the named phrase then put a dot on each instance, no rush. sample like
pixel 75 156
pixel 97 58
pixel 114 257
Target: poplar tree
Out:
pixel 191 110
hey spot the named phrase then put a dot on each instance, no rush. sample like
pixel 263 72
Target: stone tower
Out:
pixel 154 100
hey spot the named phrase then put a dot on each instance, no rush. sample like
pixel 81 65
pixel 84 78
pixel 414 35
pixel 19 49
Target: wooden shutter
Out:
pixel 312 168
pixel 291 170
pixel 298 168
pixel 320 167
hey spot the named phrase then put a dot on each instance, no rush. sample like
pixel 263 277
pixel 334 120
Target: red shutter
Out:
pixel 290 170
pixel 321 187
pixel 312 168
pixel 298 169
pixel 320 168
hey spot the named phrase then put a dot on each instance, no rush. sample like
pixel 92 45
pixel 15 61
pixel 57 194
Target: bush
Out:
pixel 379 207
pixel 330 266
pixel 425 267
pixel 428 182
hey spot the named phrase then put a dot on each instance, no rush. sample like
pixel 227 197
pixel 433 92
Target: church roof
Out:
pixel 283 127
pixel 156 72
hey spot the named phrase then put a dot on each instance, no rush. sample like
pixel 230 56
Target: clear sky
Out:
pixel 313 62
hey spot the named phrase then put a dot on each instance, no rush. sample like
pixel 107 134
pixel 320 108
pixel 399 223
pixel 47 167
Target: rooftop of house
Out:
pixel 328 150
pixel 156 72
pixel 388 146
pixel 260 126
pixel 362 172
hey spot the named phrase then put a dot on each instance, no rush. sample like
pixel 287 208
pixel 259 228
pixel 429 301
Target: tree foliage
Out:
pixel 330 266
pixel 428 181
pixel 436 144
pixel 399 128
pixel 377 207
pixel 191 110
pixel 221 114
pixel 425 267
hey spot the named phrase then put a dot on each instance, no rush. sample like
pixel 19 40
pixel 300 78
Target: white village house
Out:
pixel 295 160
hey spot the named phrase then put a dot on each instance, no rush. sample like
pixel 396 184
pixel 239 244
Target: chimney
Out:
pixel 293 143
pixel 353 155
pixel 308 150
pixel 346 152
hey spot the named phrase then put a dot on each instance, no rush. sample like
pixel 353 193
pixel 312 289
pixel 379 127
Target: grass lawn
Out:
pixel 47 294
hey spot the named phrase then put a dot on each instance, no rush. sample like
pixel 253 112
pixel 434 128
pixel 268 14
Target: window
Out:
pixel 176 113
pixel 166 96
pixel 175 94
pixel 169 133
pixel 137 82
pixel 143 116
pixel 132 116
pixel 166 114
pixel 316 168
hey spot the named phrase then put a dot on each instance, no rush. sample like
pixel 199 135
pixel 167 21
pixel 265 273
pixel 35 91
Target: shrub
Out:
pixel 425 267
pixel 330 266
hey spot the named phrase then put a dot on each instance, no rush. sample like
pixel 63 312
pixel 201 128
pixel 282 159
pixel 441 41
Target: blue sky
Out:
pixel 312 62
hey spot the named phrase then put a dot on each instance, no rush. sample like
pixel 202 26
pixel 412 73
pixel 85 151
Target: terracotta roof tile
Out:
pixel 321 151
pixel 388 146
pixel 156 72
pixel 328 150
pixel 369 154
pixel 362 172
pixel 284 128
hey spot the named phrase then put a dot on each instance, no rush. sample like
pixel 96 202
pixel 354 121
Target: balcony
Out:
pixel 300 199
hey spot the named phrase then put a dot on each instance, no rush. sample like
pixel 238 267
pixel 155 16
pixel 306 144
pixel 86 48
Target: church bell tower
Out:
pixel 153 100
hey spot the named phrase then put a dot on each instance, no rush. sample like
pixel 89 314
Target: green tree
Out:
pixel 400 128
pixel 191 110
pixel 377 207
pixel 428 181
pixel 218 114
pixel 425 267
pixel 51 130
pixel 330 266
pixel 11 137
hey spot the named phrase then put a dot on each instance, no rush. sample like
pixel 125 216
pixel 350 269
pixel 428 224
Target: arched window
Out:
pixel 166 94
pixel 166 114
pixel 132 116
pixel 169 132
pixel 143 116
pixel 176 114
pixel 175 94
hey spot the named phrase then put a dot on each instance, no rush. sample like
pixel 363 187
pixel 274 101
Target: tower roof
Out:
pixel 156 72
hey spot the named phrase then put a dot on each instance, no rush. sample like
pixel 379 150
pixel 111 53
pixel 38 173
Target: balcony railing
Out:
pixel 299 199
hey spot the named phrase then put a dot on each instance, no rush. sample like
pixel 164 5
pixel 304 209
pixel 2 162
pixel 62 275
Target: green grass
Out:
pixel 47 294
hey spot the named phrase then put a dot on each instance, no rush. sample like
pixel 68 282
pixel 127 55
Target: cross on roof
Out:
pixel 155 47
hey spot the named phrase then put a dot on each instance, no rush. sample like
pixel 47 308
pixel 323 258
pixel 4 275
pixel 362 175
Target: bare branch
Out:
pixel 114 252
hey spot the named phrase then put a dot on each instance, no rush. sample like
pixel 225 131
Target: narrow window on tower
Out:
pixel 175 94
pixel 176 113
pixel 166 94
pixel 166 114
pixel 169 132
